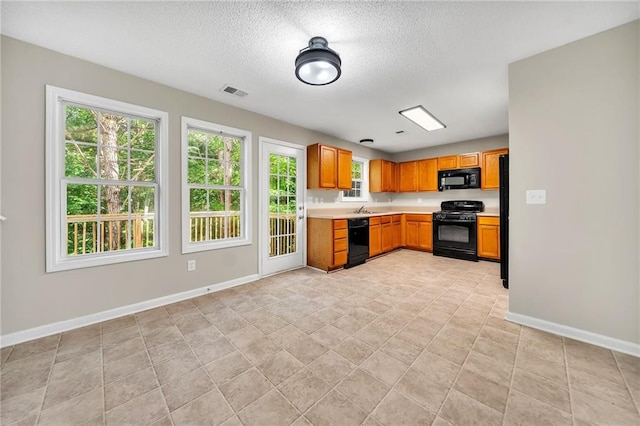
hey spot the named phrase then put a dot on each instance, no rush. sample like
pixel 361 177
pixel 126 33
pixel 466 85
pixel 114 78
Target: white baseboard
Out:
pixel 612 343
pixel 60 326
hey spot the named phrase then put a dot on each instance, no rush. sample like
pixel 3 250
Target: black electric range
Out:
pixel 455 229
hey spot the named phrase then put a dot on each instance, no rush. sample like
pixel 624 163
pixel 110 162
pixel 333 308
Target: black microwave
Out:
pixel 459 179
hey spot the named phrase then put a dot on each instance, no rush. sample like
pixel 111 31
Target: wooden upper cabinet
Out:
pixel 344 169
pixel 490 172
pixel 328 167
pixel 382 176
pixel 408 176
pixel 428 175
pixel 471 159
pixel 449 162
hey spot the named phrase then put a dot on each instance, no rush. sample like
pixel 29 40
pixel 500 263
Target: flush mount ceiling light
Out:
pixel 423 118
pixel 317 64
pixel 366 141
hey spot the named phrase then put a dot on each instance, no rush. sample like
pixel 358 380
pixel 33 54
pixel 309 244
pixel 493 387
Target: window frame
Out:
pixel 364 190
pixel 55 199
pixel 245 187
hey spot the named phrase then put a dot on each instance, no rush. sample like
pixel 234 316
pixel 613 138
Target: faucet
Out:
pixel 360 209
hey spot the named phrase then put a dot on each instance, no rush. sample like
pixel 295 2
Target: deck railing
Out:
pixel 90 234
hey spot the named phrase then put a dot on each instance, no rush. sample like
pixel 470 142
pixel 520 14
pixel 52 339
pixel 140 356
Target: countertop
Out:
pixel 341 214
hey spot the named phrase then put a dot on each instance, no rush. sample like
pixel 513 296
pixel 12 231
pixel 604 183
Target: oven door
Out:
pixel 455 238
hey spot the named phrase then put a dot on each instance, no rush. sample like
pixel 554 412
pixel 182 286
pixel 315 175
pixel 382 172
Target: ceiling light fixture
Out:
pixel 366 141
pixel 423 118
pixel 317 64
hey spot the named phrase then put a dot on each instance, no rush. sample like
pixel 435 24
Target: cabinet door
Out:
pixel 428 175
pixel 425 235
pixel 328 160
pixel 396 235
pixel 344 169
pixel 388 176
pixel 411 230
pixel 490 172
pixel 489 241
pixel 387 237
pixel 376 175
pixel 449 162
pixel 408 176
pixel 471 159
pixel 375 240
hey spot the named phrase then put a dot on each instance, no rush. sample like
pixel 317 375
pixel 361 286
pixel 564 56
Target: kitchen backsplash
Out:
pixel 320 199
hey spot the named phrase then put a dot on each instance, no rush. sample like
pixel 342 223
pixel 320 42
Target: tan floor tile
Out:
pixel 77 348
pixel 354 350
pixel 479 388
pixel 301 421
pixel 210 408
pixel 144 409
pixel 370 421
pixel 439 421
pixel 415 336
pixel 227 367
pixel 164 421
pixel 596 411
pixel 152 327
pixel 335 409
pixel 329 336
pixel 395 409
pixel 270 323
pixel 245 336
pixel 539 336
pixel 373 335
pixel 448 350
pixel 523 410
pixel 597 361
pixel 120 336
pixel 18 407
pixel 459 337
pixel 151 315
pixel 125 366
pixel 70 387
pixel 176 367
pixel 306 350
pixel 286 335
pixel 309 324
pixel 555 372
pixel 232 421
pixel 203 335
pixel 271 409
pixel 210 351
pixel 123 350
pixel 422 389
pixel 506 354
pixel 489 368
pixel 363 389
pixel 462 410
pixel 280 367
pixel 74 411
pixel 552 393
pixel 163 335
pixel 186 388
pixel 602 388
pixel 303 389
pixel 348 324
pixel 384 367
pixel 401 350
pixel 260 350
pixel 130 387
pixel 549 353
pixel 504 325
pixel 118 324
pixel 167 351
pixel 33 347
pixel 437 368
pixel 331 367
pixel 245 388
pixel 192 323
pixel 76 365
pixel 80 334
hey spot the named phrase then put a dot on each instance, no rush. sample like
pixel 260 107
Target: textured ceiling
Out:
pixel 451 57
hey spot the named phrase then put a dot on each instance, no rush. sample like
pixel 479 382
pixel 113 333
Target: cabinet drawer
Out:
pixel 488 220
pixel 339 233
pixel 397 217
pixel 385 219
pixel 340 224
pixel 419 217
pixel 374 220
pixel 340 244
pixel 340 257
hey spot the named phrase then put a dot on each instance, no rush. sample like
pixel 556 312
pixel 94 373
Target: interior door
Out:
pixel 282 212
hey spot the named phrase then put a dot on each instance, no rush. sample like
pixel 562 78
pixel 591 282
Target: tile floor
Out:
pixel 405 339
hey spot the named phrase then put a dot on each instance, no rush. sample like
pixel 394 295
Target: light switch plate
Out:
pixel 536 196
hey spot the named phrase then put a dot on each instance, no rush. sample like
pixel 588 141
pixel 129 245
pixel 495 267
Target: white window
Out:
pixel 359 181
pixel 106 194
pixel 215 177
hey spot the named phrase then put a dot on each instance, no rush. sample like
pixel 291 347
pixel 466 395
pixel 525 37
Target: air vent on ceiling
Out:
pixel 234 91
pixel 399 132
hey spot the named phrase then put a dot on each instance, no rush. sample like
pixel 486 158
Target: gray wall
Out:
pixel 573 130
pixel 30 297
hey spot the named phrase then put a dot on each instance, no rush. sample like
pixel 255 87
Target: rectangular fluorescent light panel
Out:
pixel 423 118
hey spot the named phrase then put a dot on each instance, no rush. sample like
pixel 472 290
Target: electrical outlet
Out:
pixel 536 196
pixel 191 265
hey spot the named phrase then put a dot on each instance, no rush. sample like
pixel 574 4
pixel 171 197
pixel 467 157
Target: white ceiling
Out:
pixel 451 57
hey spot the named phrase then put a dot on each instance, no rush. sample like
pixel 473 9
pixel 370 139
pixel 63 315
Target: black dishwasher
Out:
pixel 358 242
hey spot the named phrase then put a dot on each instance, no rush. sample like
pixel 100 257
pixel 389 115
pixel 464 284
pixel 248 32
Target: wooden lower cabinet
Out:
pixel 419 232
pixel 396 231
pixel 327 244
pixel 489 237
pixel 387 233
pixel 375 236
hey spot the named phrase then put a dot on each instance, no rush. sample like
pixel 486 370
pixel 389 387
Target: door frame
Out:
pixel 263 200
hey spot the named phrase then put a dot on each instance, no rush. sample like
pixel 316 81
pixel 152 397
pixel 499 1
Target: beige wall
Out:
pixel 30 297
pixel 573 130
